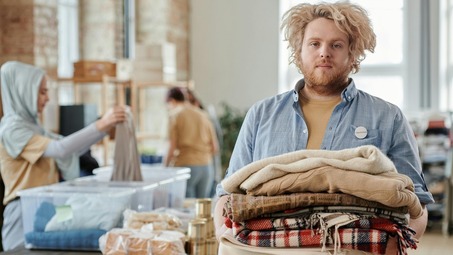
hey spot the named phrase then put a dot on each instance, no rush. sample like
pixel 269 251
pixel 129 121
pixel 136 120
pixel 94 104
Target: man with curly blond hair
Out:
pixel 325 111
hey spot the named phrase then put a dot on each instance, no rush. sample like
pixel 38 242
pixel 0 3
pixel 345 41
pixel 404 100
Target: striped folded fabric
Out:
pixel 342 230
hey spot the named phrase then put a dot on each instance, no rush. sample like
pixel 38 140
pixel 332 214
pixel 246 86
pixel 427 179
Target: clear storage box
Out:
pixel 141 200
pixel 71 217
pixel 161 186
pixel 150 172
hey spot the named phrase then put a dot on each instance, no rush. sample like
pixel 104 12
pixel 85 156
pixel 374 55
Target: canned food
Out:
pixel 197 247
pixel 210 228
pixel 212 246
pixel 203 208
pixel 197 229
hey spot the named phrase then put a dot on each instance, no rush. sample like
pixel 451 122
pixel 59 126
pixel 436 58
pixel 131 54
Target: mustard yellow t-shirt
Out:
pixel 317 114
pixel 29 169
pixel 194 133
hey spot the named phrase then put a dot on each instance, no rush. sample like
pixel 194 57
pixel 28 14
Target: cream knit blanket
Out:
pixel 367 159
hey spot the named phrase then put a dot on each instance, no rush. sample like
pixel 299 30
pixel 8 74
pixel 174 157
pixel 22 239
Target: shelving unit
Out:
pixel 436 157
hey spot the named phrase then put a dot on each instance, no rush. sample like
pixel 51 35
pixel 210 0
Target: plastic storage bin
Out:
pixel 170 190
pixel 150 172
pixel 141 200
pixel 71 217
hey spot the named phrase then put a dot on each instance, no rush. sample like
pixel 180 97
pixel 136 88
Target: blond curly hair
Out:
pixel 349 18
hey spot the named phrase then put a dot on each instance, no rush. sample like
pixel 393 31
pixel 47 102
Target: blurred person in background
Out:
pixel 192 143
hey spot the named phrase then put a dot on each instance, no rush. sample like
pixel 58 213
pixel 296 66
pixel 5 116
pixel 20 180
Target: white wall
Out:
pixel 234 50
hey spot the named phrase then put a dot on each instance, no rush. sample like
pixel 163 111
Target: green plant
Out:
pixel 230 122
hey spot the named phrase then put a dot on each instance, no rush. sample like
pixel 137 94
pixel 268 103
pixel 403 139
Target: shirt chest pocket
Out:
pixel 357 136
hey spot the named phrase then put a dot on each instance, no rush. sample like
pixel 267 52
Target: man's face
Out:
pixel 43 96
pixel 326 63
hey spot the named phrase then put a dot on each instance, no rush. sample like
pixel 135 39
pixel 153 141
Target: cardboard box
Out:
pixel 93 70
pixel 124 69
pixel 154 62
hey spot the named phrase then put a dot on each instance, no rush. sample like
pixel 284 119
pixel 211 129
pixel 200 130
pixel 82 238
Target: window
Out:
pixel 383 71
pixel 68 37
pixel 446 58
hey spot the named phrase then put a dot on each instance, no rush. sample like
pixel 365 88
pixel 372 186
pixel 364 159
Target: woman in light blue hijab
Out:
pixel 31 156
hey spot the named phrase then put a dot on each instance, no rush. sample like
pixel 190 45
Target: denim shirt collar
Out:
pixel 347 95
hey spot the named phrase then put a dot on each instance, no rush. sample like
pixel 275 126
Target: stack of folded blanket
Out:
pixel 351 199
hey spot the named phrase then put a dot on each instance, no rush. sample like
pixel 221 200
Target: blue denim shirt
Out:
pixel 276 125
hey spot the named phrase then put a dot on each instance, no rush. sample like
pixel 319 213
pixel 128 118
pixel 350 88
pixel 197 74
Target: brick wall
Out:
pixel 97 29
pixel 45 28
pixel 178 33
pixel 29 32
pixel 17 30
pixel 166 21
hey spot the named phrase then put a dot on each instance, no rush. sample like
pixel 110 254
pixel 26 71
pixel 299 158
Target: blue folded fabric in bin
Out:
pixel 150 159
pixel 80 239
pixel 86 239
pixel 43 215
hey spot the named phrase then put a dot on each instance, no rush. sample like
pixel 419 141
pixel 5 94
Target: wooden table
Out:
pixel 24 251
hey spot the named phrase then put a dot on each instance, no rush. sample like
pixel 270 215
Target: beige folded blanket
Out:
pixel 390 188
pixel 368 159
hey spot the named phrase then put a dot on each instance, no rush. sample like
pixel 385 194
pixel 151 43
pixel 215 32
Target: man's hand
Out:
pixel 418 225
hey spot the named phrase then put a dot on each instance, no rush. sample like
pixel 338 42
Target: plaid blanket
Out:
pixel 367 240
pixel 343 230
pixel 241 207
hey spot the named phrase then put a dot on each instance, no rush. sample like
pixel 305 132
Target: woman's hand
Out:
pixel 112 117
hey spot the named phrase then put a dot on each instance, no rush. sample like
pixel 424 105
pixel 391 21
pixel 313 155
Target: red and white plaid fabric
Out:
pixel 347 231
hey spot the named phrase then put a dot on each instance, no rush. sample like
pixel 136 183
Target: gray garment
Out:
pixel 13 230
pixel 126 164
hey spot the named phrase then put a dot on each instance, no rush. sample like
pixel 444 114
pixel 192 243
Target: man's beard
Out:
pixel 328 84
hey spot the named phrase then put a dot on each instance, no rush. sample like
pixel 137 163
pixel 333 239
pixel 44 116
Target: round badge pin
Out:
pixel 360 132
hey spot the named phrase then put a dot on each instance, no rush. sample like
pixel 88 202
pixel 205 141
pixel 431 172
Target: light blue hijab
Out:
pixel 19 88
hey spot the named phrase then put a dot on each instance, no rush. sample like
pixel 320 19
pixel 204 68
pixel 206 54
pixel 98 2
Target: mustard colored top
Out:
pixel 317 114
pixel 194 133
pixel 29 169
